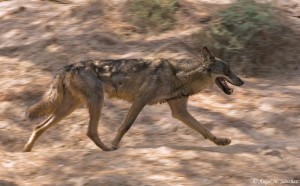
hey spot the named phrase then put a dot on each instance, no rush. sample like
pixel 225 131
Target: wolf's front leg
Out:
pixel 134 111
pixel 179 111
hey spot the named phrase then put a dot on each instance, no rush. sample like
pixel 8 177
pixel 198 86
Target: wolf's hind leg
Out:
pixel 95 106
pixel 90 89
pixel 179 111
pixel 67 106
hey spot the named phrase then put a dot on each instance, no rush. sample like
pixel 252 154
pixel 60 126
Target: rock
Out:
pixel 273 153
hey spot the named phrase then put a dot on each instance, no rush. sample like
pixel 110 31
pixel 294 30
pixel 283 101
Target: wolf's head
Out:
pixel 220 71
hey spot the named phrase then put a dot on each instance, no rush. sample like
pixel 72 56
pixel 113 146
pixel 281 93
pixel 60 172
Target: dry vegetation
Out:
pixel 152 15
pixel 262 118
pixel 247 29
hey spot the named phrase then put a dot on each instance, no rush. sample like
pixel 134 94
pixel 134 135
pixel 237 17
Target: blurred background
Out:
pixel 260 39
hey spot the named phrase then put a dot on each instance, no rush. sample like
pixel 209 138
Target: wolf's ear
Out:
pixel 207 55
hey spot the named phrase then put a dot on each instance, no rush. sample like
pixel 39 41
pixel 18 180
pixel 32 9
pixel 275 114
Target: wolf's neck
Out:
pixel 193 80
pixel 193 71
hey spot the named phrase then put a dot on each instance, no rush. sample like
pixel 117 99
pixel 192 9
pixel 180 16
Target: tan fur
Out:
pixel 50 100
pixel 140 81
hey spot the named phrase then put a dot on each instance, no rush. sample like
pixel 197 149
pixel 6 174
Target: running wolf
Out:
pixel 140 81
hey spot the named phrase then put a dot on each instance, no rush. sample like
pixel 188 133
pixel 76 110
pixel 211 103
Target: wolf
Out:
pixel 139 81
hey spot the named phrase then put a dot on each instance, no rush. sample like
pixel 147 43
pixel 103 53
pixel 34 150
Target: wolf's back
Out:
pixel 50 100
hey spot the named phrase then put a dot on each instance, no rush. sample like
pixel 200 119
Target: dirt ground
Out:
pixel 39 37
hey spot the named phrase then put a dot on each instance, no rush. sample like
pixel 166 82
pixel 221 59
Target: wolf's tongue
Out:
pixel 227 90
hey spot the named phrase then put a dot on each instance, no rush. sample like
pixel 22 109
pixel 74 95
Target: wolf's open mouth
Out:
pixel 221 82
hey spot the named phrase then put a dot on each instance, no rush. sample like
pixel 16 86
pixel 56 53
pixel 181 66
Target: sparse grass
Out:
pixel 246 29
pixel 152 15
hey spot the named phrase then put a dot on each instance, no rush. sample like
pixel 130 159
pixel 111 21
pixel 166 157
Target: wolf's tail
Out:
pixel 50 100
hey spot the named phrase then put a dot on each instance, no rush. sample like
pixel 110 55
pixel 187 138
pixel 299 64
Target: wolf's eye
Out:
pixel 228 71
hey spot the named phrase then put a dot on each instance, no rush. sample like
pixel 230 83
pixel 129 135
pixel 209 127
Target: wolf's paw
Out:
pixel 105 148
pixel 222 141
pixel 114 147
pixel 111 149
pixel 27 148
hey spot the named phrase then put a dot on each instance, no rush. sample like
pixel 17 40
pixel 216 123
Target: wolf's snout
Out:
pixel 241 82
pixel 236 80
